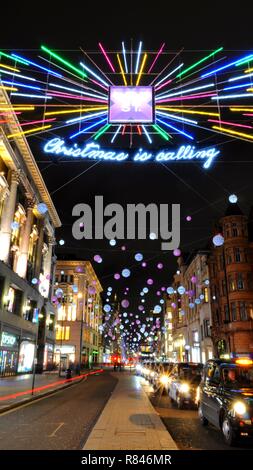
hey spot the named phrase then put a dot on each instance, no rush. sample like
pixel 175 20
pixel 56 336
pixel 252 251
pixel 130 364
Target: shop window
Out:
pixel 240 283
pixel 243 311
pixel 233 311
pixel 62 333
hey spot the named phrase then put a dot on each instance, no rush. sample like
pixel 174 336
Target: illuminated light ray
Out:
pixel 156 57
pixel 189 136
pixel 22 85
pixel 241 109
pixel 16 134
pixel 37 122
pixel 81 92
pixel 239 77
pixel 91 126
pixel 51 72
pixel 93 74
pixel 139 130
pixel 237 86
pixel 161 132
pixel 230 64
pixel 163 84
pixel 84 118
pixel 63 61
pixel 190 97
pixel 32 96
pixel 177 118
pixel 227 97
pixel 230 123
pixel 9 68
pixel 198 71
pixel 8 88
pixel 199 62
pixel 121 70
pixel 249 89
pixel 17 108
pixel 19 76
pixel 138 57
pixel 8 113
pixel 169 74
pixel 188 90
pixel 59 94
pixel 187 111
pixel 98 84
pixel 232 132
pixel 141 69
pixel 147 134
pixel 69 111
pixel 123 130
pixel 245 60
pixel 24 62
pixel 124 55
pixel 248 70
pixel 102 131
pixel 106 57
pixel 115 135
pixel 248 114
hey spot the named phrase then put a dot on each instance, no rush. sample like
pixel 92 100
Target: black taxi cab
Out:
pixel 225 397
pixel 183 382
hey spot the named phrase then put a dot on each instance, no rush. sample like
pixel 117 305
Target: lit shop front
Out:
pixel 26 356
pixel 48 356
pixel 9 346
pixel 66 355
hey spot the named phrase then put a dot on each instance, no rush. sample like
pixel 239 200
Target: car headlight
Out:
pixel 164 380
pixel 152 374
pixel 184 388
pixel 197 394
pixel 239 407
pixel 138 367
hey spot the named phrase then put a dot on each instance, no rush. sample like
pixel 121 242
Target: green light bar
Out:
pixel 161 132
pixel 14 58
pixel 99 133
pixel 63 61
pixel 199 62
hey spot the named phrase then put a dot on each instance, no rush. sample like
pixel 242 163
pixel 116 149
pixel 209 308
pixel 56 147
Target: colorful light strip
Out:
pixel 163 84
pixel 187 111
pixel 21 85
pixel 183 98
pixel 230 131
pixel 63 61
pixel 37 122
pixel 69 111
pixel 161 132
pixel 230 123
pixel 189 136
pixel 147 134
pixel 244 85
pixel 248 70
pixel 87 117
pixel 169 74
pixel 55 85
pixel 102 131
pixel 32 96
pixel 139 130
pixel 239 77
pixel 8 88
pixel 188 90
pixel 36 129
pixel 124 55
pixel 51 72
pixel 227 97
pixel 115 135
pixel 121 70
pixel 106 57
pixel 88 128
pixel 59 94
pixel 156 57
pixel 141 69
pixel 93 74
pixel 24 62
pixel 17 108
pixel 230 64
pixel 199 62
pixel 9 68
pixel 138 57
pixel 19 76
pixel 247 59
pixel 241 109
pixel 177 118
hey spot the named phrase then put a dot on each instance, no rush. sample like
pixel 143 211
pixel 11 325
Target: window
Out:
pixel 237 253
pixel 243 311
pixel 207 329
pixel 233 311
pixel 226 313
pixel 234 230
pixel 228 257
pixel 224 288
pixel 240 283
pixel 202 332
pixel 250 281
pixel 62 333
pixel 206 294
pixel 231 283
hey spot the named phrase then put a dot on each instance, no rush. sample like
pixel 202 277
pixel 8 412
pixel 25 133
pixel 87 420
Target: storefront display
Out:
pixel 26 356
pixel 48 356
pixel 9 345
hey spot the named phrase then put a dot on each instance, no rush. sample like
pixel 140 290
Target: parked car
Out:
pixel 184 381
pixel 225 397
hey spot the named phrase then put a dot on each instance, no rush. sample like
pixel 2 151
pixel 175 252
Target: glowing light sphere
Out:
pixel 109 289
pixel 144 264
pixel 207 282
pixel 79 269
pixel 116 276
pixel 97 259
pixel 125 303
pixel 233 198
pixel 181 290
pixel 173 305
pixel 193 279
pixel 157 309
pixel 150 282
pixel 191 305
pixel 112 242
pixel 201 296
pixel 145 290
pixel 91 290
pixel 161 301
pixel 182 313
pixel 197 301
pixel 141 308
pixel 163 289
pixel 61 242
pixel 126 272
pixel 177 252
pixel 218 240
pixel 138 257
pixel 188 218
pixel 123 248
pixel 170 290
pixel 42 208
pixel 160 266
pixel 125 314
pixel 35 281
pixel 15 225
pixel 59 292
pixel 158 293
pixel 152 236
pixel 107 308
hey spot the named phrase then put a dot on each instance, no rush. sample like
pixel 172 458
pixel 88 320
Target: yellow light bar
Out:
pixel 16 108
pixel 121 69
pixel 248 70
pixel 166 108
pixel 28 132
pixel 94 108
pixel 242 109
pixel 244 361
pixel 141 69
pixel 8 88
pixel 229 131
pixel 9 68
pixel 249 89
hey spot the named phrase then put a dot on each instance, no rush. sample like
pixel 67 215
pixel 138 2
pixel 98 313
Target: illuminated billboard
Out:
pixel 131 105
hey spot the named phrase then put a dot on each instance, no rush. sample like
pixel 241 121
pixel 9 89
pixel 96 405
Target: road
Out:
pixel 61 421
pixel 186 430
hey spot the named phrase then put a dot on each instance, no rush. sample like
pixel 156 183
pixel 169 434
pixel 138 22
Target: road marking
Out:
pixel 39 399
pixel 55 431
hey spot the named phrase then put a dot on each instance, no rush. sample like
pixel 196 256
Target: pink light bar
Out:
pixel 247 114
pixel 163 84
pixel 36 122
pixel 10 113
pixel 191 97
pixel 156 57
pixel 106 56
pixel 75 97
pixel 99 84
pixel 230 123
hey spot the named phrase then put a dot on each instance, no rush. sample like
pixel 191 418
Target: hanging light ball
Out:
pixel 152 236
pixel 233 198
pixel 141 308
pixel 150 282
pixel 188 218
pixel 97 259
pixel 177 252
pixel 157 309
pixel 170 290
pixel 181 290
pixel 107 308
pixel 61 242
pixel 218 239
pixel 112 242
pixel 42 208
pixel 158 293
pixel 160 266
pixel 138 257
pixel 35 281
pixel 191 305
pixel 126 272
pixel 201 296
pixel 144 264
pixel 123 248
pixel 125 303
pixel 145 290
pixel 116 276
pixel 207 282
pixel 15 225
pixel 161 301
pixel 197 301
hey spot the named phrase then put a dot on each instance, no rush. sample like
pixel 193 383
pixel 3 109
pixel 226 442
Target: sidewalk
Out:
pixel 129 421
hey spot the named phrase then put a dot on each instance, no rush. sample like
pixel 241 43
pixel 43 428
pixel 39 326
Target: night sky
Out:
pixel 202 194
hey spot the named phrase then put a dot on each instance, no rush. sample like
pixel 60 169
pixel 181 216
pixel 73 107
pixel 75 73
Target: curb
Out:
pixel 46 394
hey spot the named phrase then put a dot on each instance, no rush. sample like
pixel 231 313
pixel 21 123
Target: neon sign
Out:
pixel 131 104
pixel 92 151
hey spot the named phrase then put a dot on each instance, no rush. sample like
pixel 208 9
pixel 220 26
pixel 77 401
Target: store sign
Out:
pixel 92 151
pixel 8 339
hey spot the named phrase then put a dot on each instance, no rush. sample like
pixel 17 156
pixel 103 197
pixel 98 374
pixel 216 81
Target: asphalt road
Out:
pixel 186 430
pixel 61 421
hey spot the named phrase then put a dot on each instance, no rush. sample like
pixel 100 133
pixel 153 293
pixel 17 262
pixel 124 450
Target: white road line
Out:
pixel 55 431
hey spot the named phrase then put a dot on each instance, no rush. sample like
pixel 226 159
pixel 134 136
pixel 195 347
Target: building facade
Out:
pixel 231 281
pixel 28 220
pixel 77 294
